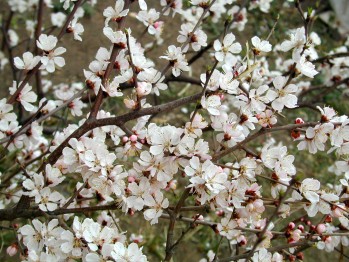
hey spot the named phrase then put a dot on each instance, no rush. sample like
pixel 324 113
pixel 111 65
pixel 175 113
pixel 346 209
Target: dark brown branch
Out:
pixel 183 79
pixel 37 35
pixel 329 57
pixel 6 42
pixel 69 19
pixel 261 132
pixel 27 124
pixel 319 87
pixel 114 54
pixel 118 121
pixel 6 27
pixel 173 217
pixel 200 53
pixel 99 97
pixel 134 71
pixel 30 213
pixel 323 93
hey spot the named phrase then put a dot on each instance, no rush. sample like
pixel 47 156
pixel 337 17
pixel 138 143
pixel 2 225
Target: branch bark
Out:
pixel 261 132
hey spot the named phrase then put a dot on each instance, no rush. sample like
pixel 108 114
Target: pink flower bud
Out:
pixel 320 228
pixel 299 121
pixel 12 250
pixel 301 228
pixel 133 138
pixel 296 235
pixel 220 213
pixel 125 139
pixel 337 212
pixel 158 24
pixel 131 179
pixel 291 225
pixel 242 240
pixel 328 240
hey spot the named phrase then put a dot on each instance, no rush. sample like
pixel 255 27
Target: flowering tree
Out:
pixel 79 159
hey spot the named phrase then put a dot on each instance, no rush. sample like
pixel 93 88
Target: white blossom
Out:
pixel 26 97
pixel 225 50
pixel 28 62
pixel 51 56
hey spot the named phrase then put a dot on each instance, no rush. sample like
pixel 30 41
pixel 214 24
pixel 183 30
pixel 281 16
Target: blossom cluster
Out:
pixel 52 242
pixel 97 157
